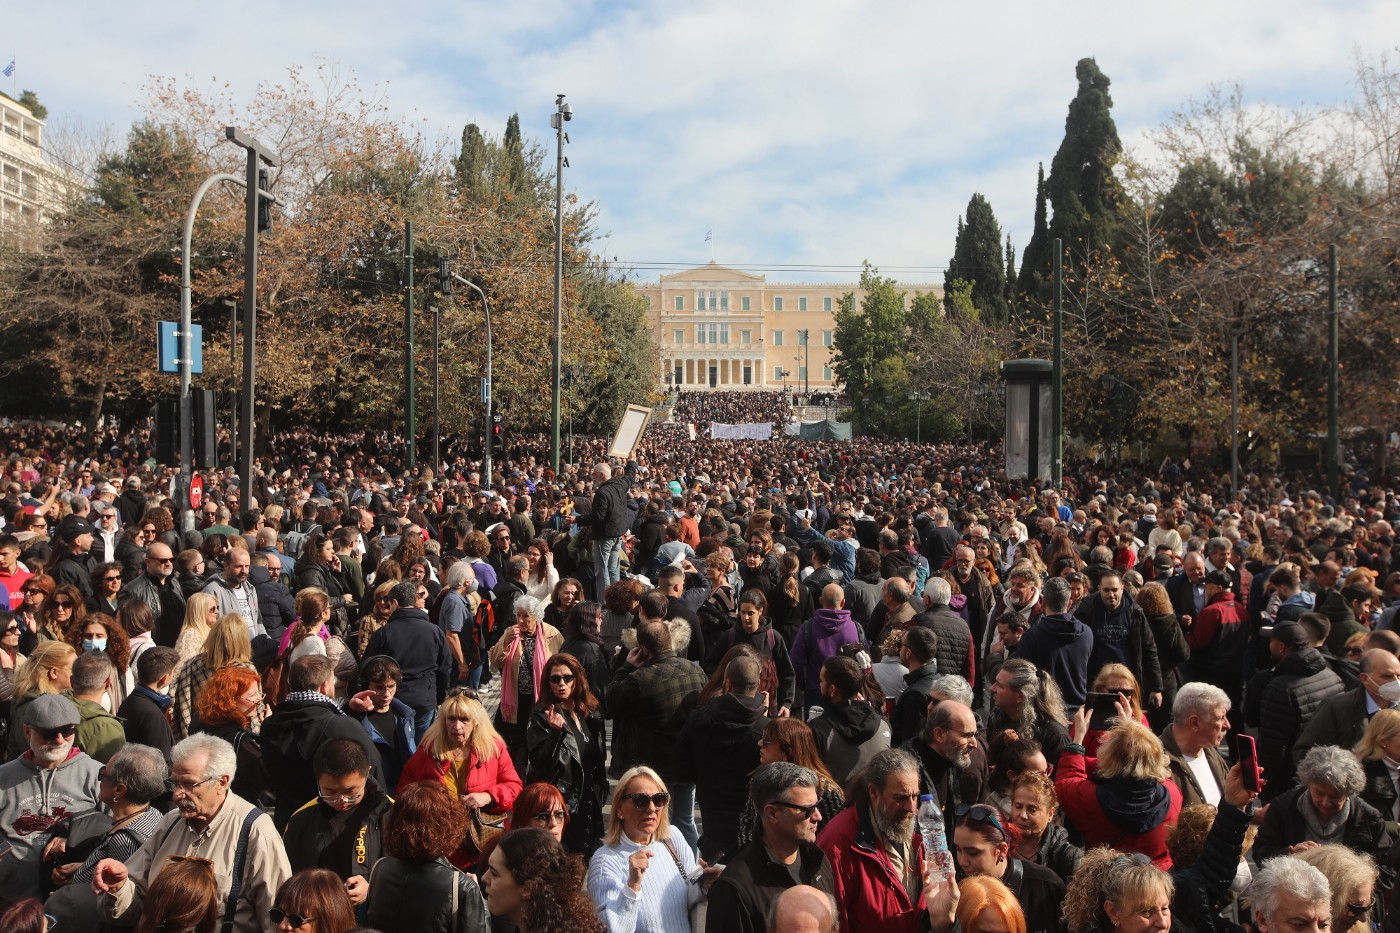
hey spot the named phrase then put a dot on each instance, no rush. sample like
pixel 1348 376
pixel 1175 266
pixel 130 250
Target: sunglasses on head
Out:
pixel 467 692
pixel 640 800
pixel 981 813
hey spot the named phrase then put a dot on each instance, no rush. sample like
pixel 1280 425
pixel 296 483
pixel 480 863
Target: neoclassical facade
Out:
pixel 32 187
pixel 717 327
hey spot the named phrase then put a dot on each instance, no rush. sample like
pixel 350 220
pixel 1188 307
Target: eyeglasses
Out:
pixel 1361 910
pixel 63 604
pixel 561 678
pixel 981 813
pixel 806 809
pixel 186 786
pixel 51 735
pixel 1136 858
pixel 277 914
pixel 150 531
pixel 640 800
pixel 549 817
pixel 341 798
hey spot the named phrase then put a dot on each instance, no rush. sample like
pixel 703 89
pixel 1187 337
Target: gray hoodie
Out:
pixel 32 800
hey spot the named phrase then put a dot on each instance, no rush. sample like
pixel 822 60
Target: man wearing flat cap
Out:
pixel 51 780
pixel 1281 701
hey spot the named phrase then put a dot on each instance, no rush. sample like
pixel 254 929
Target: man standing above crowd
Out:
pixel 73 564
pixel 1282 701
pixel 609 518
pixel 421 650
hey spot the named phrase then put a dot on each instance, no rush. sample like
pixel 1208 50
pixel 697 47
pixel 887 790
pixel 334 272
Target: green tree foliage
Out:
pixel 867 336
pixel 978 260
pixel 1083 191
pixel 621 366
pixel 31 101
pixel 1035 261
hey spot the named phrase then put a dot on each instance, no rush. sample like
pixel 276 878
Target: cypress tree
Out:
pixel 1082 188
pixel 1010 273
pixel 977 258
pixel 517 174
pixel 1035 261
pixel 471 164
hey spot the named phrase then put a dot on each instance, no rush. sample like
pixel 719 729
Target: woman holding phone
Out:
pixel 565 746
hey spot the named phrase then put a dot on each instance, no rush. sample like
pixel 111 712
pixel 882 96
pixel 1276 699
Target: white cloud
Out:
pixel 821 132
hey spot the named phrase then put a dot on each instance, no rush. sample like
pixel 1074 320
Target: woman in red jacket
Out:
pixel 1123 798
pixel 463 751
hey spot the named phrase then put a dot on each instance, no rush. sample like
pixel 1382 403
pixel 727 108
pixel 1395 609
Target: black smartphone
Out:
pixel 1247 754
pixel 1103 707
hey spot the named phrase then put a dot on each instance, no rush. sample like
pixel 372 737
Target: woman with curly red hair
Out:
pixel 414 888
pixel 225 708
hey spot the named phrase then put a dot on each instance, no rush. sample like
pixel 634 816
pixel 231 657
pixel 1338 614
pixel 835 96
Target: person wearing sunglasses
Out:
pixel 37 789
pixel 565 746
pixel 209 823
pixel 641 879
pixel 312 901
pixel 541 805
pixel 1353 877
pixel 520 655
pixel 984 843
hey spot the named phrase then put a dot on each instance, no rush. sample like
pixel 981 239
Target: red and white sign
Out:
pixel 196 491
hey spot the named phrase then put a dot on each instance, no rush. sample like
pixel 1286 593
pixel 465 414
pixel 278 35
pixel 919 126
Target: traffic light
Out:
pixel 206 449
pixel 444 277
pixel 264 203
pixel 168 431
pixel 498 435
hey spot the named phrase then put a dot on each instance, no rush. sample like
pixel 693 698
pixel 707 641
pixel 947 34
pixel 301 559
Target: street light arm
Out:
pixel 490 384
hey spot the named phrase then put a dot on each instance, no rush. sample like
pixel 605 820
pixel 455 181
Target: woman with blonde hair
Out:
pixel 987 904
pixel 48 669
pixel 228 645
pixel 1379 754
pixel 463 751
pixel 1115 678
pixel 637 884
pixel 1353 877
pixel 1124 798
pixel 201 612
pixel 1111 891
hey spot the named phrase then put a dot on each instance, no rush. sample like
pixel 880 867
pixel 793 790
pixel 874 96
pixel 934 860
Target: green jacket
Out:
pixel 100 733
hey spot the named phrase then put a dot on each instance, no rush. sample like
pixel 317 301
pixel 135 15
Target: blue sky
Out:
pixel 809 135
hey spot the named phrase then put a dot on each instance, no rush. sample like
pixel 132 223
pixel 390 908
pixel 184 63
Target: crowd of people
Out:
pixel 701 407
pixel 715 686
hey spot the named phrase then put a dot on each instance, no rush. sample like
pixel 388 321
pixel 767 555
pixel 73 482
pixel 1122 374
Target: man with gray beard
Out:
pixel 874 841
pixel 953 765
pixel 48 782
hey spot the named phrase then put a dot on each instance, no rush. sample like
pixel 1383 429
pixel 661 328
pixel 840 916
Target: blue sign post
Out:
pixel 169 347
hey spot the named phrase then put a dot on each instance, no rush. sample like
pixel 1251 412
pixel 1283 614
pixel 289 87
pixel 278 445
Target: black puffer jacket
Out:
pixel 1365 831
pixel 954 646
pixel 1057 853
pixel 1281 702
pixel 1201 886
pixel 718 750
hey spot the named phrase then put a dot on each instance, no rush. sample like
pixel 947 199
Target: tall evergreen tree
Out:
pixel 1082 188
pixel 517 173
pixel 472 165
pixel 1010 273
pixel 977 259
pixel 1035 261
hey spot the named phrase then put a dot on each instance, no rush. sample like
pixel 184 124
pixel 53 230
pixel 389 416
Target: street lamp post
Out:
pixel 563 113
pixel 487 389
pixel 806 363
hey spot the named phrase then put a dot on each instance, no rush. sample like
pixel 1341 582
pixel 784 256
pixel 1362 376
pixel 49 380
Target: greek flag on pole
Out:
pixel 10 69
pixel 709 234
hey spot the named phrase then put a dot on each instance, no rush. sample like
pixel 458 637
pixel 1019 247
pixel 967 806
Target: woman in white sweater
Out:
pixel 640 878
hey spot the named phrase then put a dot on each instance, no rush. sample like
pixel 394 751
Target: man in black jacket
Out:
pixel 341 828
pixel 299 726
pixel 918 653
pixel 952 763
pixel 1122 635
pixel 609 518
pixel 275 601
pixel 717 749
pixel 143 711
pixel 1283 700
pixel 420 648
pixel 784 854
pixel 159 588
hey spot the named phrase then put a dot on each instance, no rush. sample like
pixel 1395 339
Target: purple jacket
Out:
pixel 819 638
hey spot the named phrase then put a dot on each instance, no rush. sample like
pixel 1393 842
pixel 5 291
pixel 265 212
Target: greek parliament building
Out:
pixel 717 327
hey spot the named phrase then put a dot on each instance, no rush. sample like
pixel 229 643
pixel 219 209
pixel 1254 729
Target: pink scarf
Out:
pixel 510 673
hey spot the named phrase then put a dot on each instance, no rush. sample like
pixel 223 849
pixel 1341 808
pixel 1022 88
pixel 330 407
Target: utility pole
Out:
pixel 563 113
pixel 410 455
pixel 256 152
pixel 1058 373
pixel 1235 413
pixel 232 368
pixel 1334 478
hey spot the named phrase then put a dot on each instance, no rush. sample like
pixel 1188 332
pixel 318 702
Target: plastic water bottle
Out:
pixel 935 837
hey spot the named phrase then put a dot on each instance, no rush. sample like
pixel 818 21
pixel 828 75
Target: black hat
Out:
pixel 1291 634
pixel 1219 578
pixel 74 528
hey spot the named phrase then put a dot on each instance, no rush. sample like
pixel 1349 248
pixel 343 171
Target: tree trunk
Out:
pixel 99 397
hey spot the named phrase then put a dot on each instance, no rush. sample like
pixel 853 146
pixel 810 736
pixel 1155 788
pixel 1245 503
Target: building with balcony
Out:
pixel 720 328
pixel 32 188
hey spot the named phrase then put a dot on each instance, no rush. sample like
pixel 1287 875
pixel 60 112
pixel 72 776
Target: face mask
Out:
pixel 100 644
pixel 471 587
pixel 1390 692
